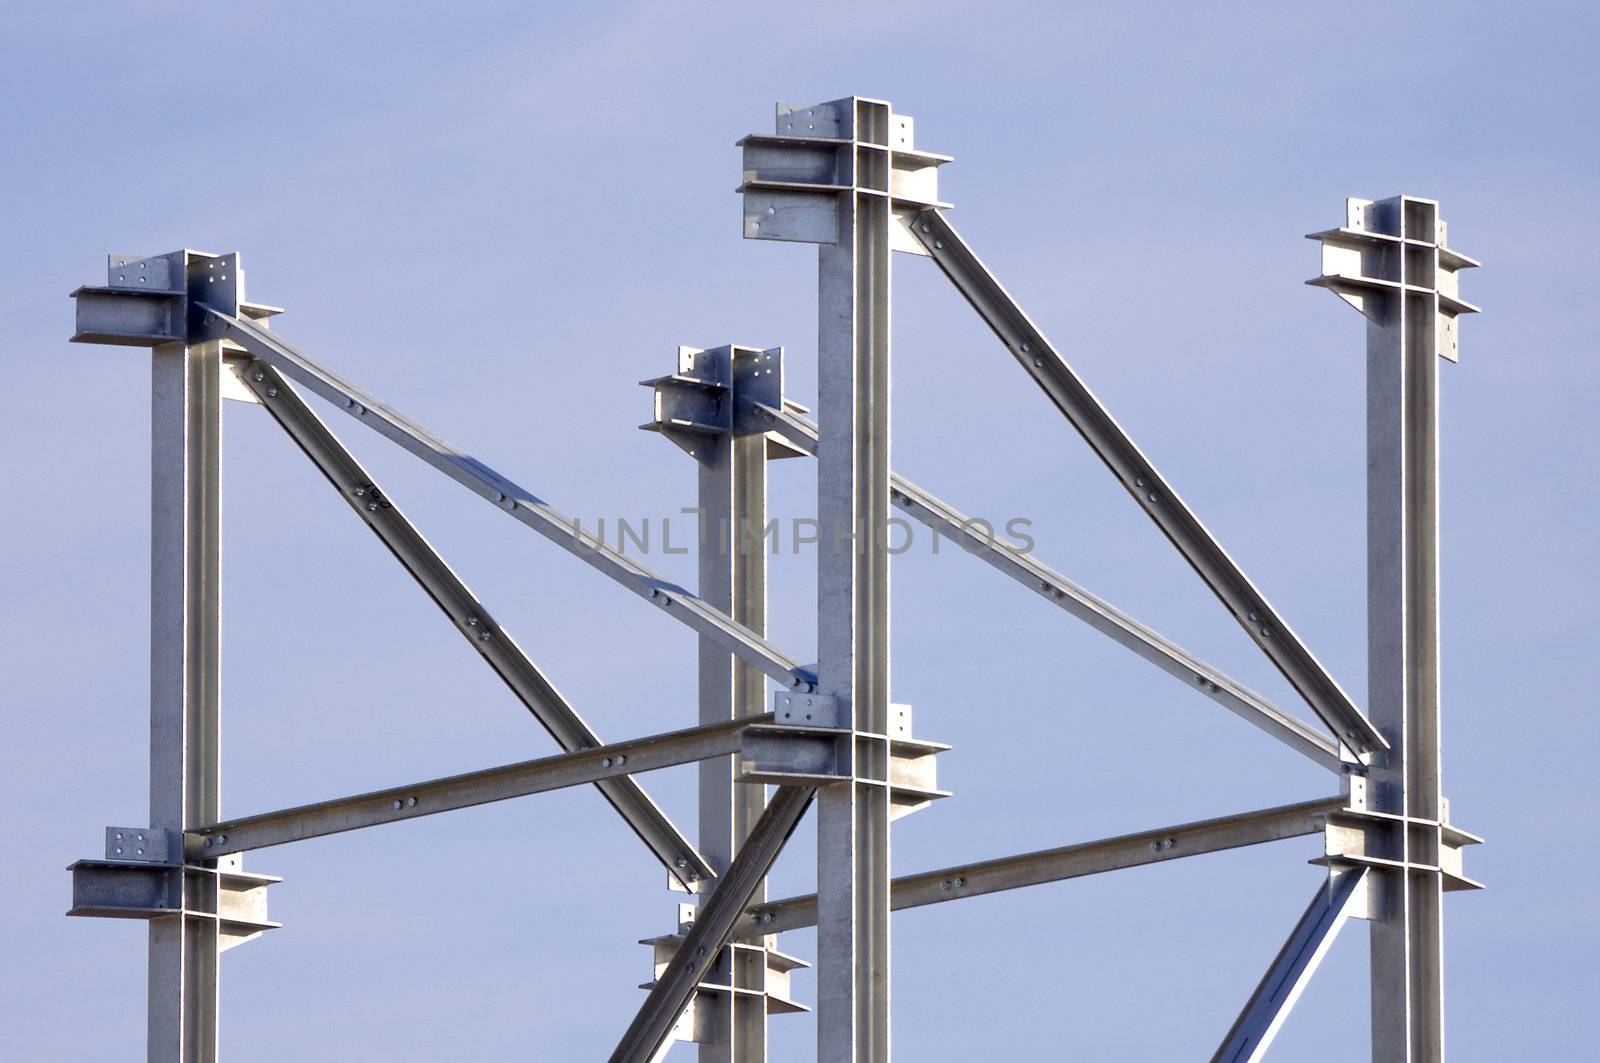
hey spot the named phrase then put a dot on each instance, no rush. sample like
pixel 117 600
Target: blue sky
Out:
pixel 502 216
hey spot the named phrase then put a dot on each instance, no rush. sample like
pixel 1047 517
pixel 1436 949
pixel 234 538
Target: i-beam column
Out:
pixel 185 687
pixel 837 174
pixel 1390 261
pixel 733 578
pixel 853 606
pixel 201 907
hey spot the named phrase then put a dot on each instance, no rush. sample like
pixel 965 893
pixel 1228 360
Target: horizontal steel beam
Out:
pixel 1139 476
pixel 469 617
pixel 1071 861
pixel 713 926
pixel 1096 612
pixel 464 791
pixel 1263 1015
pixel 518 501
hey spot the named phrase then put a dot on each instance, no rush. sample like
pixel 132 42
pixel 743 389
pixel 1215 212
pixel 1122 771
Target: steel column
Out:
pixel 853 604
pixel 733 578
pixel 185 686
pixel 1390 260
pixel 1403 640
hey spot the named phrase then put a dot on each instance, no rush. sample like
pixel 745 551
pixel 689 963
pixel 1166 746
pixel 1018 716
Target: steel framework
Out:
pixel 847 177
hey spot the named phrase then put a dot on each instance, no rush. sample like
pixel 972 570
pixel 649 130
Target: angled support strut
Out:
pixel 1252 1033
pixel 516 500
pixel 1094 611
pixel 1135 472
pixel 469 616
pixel 713 927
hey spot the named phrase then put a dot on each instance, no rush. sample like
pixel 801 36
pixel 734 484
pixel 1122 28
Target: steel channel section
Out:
pixel 732 488
pixel 1147 486
pixel 510 497
pixel 1072 861
pixel 376 508
pixel 853 975
pixel 1403 654
pixel 1094 611
pixel 1291 970
pixel 720 740
pixel 185 684
pixel 713 927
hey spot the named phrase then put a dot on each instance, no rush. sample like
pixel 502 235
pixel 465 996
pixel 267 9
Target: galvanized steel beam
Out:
pixel 1070 861
pixel 853 956
pixel 712 927
pixel 377 509
pixel 185 684
pixel 732 495
pixel 512 498
pixel 1391 262
pixel 1335 901
pixel 1149 488
pixel 464 791
pixel 1092 610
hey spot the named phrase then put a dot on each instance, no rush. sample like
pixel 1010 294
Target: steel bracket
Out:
pixel 794 179
pixel 720 391
pixel 1360 836
pixel 1393 247
pixel 806 745
pixel 761 950
pixel 143 876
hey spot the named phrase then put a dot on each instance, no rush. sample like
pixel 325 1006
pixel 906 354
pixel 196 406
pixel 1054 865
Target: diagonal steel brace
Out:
pixel 1112 444
pixel 469 617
